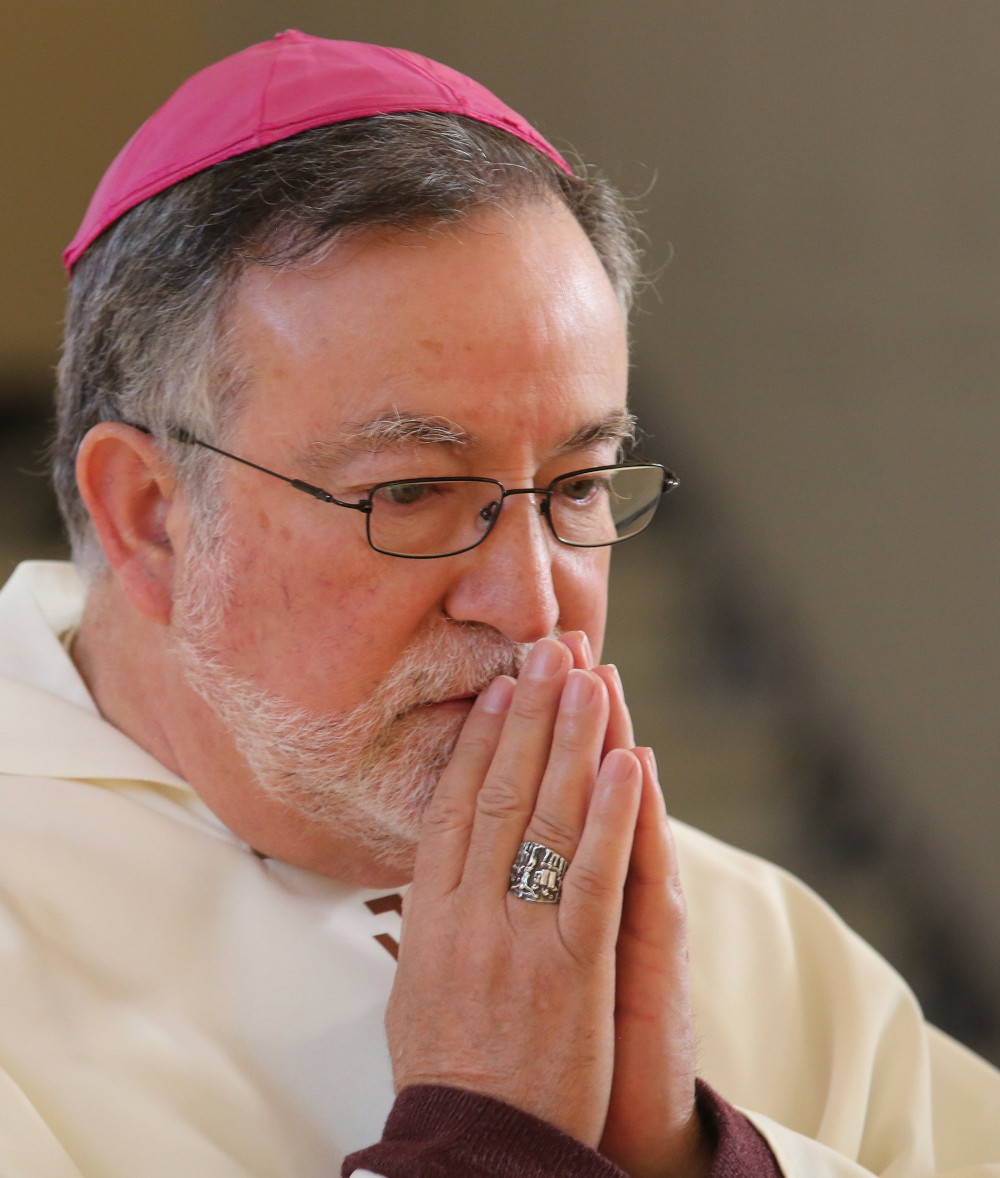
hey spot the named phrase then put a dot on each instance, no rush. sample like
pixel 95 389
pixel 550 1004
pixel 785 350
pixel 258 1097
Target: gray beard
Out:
pixel 366 774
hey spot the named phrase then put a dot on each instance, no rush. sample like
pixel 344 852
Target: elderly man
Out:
pixel 341 440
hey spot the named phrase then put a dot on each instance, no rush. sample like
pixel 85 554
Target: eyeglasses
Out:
pixel 421 519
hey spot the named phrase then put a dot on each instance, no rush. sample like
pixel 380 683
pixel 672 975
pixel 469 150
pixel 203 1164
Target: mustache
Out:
pixel 462 660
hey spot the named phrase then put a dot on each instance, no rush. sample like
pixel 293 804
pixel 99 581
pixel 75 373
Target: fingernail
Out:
pixel 544 660
pixel 619 766
pixel 649 757
pixel 496 698
pixel 587 649
pixel 576 642
pixel 579 691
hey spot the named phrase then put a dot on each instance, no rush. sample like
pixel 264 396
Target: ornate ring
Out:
pixel 537 874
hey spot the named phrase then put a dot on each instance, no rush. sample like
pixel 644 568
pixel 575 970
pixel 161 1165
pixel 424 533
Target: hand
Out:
pixel 652 1127
pixel 495 994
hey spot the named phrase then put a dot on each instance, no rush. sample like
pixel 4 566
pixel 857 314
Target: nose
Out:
pixel 508 581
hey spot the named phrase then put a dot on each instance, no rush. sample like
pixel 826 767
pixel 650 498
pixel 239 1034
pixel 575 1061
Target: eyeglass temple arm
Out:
pixel 179 434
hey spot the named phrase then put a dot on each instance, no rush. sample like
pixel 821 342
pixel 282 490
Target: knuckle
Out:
pixel 528 698
pixel 499 798
pixel 552 832
pixel 475 743
pixel 591 883
pixel 572 736
pixel 445 818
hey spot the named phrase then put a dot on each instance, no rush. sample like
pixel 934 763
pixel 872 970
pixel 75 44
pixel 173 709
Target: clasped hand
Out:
pixel 578 1013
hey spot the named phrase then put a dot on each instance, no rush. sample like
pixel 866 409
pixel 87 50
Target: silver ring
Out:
pixel 537 874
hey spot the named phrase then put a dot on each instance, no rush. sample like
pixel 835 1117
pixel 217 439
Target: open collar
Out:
pixel 49 723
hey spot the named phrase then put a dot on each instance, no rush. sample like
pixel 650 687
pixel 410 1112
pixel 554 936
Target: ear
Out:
pixel 131 494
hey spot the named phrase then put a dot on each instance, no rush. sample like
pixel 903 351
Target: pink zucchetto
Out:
pixel 270 92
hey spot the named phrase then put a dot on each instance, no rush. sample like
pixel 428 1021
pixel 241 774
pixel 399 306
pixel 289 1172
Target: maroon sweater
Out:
pixel 437 1132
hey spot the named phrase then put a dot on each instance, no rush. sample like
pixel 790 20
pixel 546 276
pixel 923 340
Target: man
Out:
pixel 341 425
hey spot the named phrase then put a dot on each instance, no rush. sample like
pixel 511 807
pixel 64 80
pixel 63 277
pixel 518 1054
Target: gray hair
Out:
pixel 145 339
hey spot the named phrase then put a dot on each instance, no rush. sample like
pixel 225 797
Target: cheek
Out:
pixel 319 622
pixel 581 582
pixel 288 589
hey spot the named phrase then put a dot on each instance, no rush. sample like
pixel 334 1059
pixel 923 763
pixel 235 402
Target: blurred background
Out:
pixel 811 633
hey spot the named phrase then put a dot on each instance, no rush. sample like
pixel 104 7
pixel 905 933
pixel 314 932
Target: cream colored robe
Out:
pixel 171 1005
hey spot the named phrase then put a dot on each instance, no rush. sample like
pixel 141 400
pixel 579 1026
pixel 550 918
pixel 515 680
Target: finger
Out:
pixel 652 1124
pixel 619 734
pixel 579 647
pixel 444 837
pixel 654 856
pixel 564 795
pixel 654 911
pixel 507 797
pixel 590 910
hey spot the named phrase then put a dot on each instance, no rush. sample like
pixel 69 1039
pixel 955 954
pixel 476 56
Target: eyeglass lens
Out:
pixel 426 517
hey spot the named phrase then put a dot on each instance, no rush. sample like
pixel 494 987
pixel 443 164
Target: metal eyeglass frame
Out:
pixel 670 481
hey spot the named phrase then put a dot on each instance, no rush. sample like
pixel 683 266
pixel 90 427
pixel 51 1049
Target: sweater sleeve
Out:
pixel 438 1132
pixel 740 1151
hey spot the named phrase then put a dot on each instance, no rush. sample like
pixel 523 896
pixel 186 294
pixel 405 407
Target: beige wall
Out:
pixel 75 78
pixel 823 347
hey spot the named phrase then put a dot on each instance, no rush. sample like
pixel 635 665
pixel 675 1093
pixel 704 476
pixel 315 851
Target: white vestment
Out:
pixel 171 1004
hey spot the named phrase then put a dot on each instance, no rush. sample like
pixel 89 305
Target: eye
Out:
pixel 406 494
pixel 583 489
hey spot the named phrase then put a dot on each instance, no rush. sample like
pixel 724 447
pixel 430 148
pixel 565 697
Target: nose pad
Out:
pixel 539 533
pixel 489 513
pixel 543 504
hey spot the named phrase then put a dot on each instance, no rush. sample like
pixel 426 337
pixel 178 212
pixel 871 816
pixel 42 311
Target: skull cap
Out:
pixel 274 90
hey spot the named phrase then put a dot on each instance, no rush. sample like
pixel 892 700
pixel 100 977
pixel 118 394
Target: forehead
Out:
pixel 504 323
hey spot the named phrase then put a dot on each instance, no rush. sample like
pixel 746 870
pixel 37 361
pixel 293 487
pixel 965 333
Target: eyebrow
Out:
pixel 399 428
pixel 618 426
pixel 396 429
pixel 384 432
